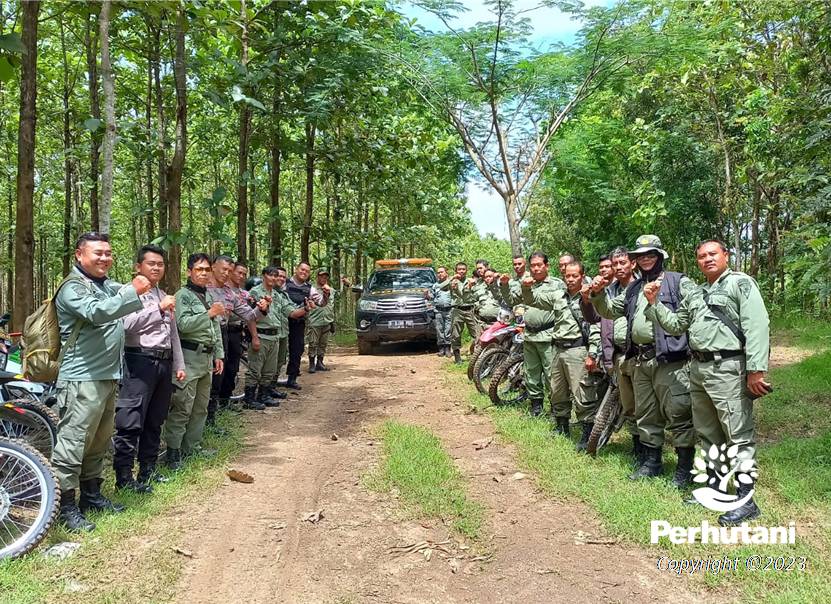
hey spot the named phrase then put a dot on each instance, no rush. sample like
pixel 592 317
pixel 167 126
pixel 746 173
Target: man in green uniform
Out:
pixel 659 376
pixel 89 308
pixel 321 322
pixel 441 305
pixel 575 364
pixel 197 319
pixel 263 363
pixel 546 308
pixel 487 302
pixel 463 300
pixel 729 333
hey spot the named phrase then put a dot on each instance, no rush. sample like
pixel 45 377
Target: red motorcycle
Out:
pixel 492 348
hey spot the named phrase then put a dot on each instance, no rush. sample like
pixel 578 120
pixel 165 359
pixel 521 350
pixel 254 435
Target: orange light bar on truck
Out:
pixel 404 262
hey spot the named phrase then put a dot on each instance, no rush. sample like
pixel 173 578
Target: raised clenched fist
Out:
pixel 262 304
pixel 650 291
pixel 141 284
pixel 527 281
pixel 504 279
pixel 167 303
pixel 598 284
pixel 216 309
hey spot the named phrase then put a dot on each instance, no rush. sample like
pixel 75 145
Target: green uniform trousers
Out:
pixel 317 338
pixel 84 431
pixel 722 409
pixel 537 358
pixel 189 405
pixel 458 319
pixel 625 390
pixel 262 363
pixel 662 402
pixel 282 355
pixel 571 381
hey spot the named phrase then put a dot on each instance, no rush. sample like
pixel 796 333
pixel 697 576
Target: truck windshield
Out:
pixel 403 279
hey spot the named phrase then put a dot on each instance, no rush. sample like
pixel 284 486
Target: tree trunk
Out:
pixel 91 43
pixel 24 247
pixel 310 192
pixel 336 218
pixel 275 227
pixel 359 249
pixel 242 174
pixel 512 215
pixel 252 223
pixel 754 224
pixel 173 276
pixel 67 160
pixel 148 124
pixel 772 224
pixel 161 131
pixel 108 146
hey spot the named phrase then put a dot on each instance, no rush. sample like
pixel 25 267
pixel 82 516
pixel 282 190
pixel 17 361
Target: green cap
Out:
pixel 648 243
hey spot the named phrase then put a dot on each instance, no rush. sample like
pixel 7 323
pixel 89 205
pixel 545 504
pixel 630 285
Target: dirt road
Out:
pixel 251 544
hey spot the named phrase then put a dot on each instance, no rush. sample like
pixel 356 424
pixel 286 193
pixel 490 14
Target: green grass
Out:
pixel 419 470
pixel 344 336
pixel 129 557
pixel 795 480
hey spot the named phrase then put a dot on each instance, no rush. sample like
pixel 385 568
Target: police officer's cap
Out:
pixel 648 243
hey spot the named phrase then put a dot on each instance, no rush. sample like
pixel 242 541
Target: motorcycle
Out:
pixel 507 385
pixel 497 342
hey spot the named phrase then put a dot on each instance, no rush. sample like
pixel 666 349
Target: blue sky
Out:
pixel 550 26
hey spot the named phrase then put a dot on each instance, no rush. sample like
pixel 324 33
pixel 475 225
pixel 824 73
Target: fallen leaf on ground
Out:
pixel 351 410
pixel 482 443
pixel 545 571
pixel 277 526
pixel 62 551
pixel 313 517
pixel 454 565
pixel 238 476
pixel 518 476
pixel 420 546
pixel 184 552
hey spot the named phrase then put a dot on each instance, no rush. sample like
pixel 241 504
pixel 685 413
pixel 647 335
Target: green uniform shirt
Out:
pixel 643 327
pixel 487 304
pixel 738 296
pixel 460 295
pixel 96 354
pixel 278 311
pixel 593 343
pixel 545 306
pixel 619 330
pixel 194 324
pixel 321 316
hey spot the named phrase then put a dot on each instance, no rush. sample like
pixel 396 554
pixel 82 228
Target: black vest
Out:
pixel 668 349
pixel 298 293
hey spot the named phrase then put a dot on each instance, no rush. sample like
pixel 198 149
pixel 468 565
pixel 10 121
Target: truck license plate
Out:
pixel 400 324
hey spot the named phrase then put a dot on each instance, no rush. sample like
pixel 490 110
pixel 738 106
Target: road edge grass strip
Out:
pixel 129 557
pixel 626 508
pixel 416 467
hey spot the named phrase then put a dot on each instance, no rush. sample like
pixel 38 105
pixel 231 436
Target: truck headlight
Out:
pixel 367 304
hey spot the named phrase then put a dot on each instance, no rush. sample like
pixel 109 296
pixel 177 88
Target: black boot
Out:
pixel 457 356
pixel 746 512
pixel 583 443
pixel 124 480
pixel 251 401
pixel 174 459
pixel 320 366
pixel 536 407
pixel 70 515
pixel 312 365
pixel 210 420
pixel 264 399
pixel 440 353
pixel 147 474
pixel 651 465
pixel 274 393
pixel 92 499
pixel 712 482
pixel 563 427
pixel 683 475
pixel 292 383
pixel 636 450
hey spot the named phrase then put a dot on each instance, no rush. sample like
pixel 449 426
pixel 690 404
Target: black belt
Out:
pixel 569 343
pixel 619 349
pixel 443 308
pixel 268 331
pixel 706 356
pixel 235 327
pixel 157 353
pixel 645 352
pixel 465 307
pixel 197 346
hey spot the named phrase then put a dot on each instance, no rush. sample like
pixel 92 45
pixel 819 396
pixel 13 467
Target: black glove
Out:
pixel 332 327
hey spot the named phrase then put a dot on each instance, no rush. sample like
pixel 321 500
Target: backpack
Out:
pixel 41 341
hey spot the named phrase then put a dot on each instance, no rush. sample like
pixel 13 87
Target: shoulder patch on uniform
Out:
pixel 745 286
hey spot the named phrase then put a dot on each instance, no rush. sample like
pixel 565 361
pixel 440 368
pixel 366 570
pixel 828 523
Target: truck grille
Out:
pixel 402 305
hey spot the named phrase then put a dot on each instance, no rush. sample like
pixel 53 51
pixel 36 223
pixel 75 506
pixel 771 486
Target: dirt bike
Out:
pixel 507 385
pixel 489 338
pixel 487 362
pixel 608 419
pixel 30 421
pixel 29 498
